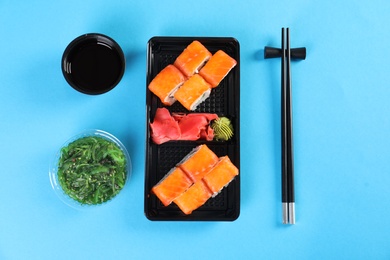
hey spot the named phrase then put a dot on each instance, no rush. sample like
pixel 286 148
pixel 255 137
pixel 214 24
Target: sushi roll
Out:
pixel 193 198
pixel 166 83
pixel 217 68
pixel 193 92
pixel 174 183
pixel 221 175
pixel 192 58
pixel 198 177
pixel 198 162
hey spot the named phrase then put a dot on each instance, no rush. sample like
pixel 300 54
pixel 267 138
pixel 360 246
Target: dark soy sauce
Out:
pixel 93 67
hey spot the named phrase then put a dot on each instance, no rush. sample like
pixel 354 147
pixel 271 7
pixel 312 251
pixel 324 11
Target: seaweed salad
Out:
pixel 92 170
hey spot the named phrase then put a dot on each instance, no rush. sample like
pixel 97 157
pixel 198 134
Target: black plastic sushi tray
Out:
pixel 224 100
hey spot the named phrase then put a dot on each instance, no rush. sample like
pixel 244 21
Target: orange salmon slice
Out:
pixel 166 83
pixel 192 58
pixel 221 175
pixel 193 198
pixel 171 186
pixel 198 162
pixel 217 68
pixel 193 92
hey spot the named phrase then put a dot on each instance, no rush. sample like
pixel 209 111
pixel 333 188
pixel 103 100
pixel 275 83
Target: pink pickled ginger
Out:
pixel 180 126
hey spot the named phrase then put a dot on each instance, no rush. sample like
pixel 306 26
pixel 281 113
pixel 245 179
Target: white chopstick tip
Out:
pixel 285 213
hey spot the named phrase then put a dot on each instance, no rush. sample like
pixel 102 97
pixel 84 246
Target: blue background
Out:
pixel 341 130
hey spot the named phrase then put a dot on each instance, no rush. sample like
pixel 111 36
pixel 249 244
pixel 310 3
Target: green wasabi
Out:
pixel 92 170
pixel 223 129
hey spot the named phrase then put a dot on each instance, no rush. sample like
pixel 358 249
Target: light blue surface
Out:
pixel 341 130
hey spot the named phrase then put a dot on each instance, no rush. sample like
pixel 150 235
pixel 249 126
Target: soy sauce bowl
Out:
pixel 99 175
pixel 93 63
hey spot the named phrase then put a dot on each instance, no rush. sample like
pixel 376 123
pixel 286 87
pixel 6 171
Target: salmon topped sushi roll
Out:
pixel 193 198
pixel 221 175
pixel 198 162
pixel 193 92
pixel 166 83
pixel 171 186
pixel 192 58
pixel 217 68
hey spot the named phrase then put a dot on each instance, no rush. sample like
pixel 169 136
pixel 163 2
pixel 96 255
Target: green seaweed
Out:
pixel 92 170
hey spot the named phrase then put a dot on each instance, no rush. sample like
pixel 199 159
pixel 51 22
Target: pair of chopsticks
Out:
pixel 288 198
pixel 286 53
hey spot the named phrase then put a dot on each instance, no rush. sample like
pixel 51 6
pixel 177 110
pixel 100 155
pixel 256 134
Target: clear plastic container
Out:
pixel 53 171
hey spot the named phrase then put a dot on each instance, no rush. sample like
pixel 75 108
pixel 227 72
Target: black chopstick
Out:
pixel 288 201
pixel 285 190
